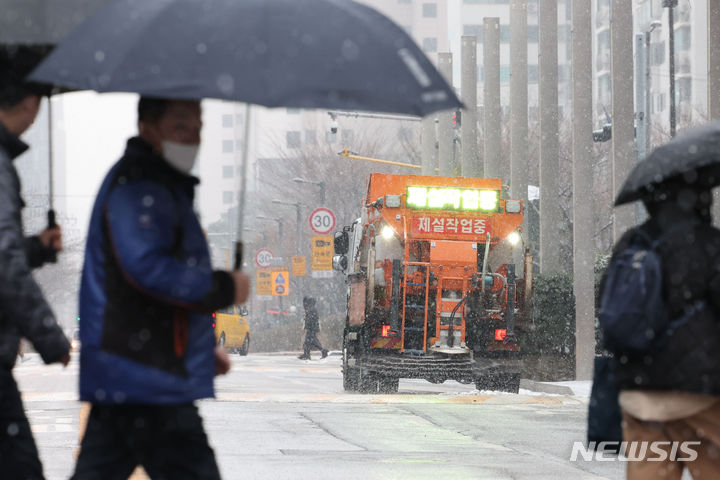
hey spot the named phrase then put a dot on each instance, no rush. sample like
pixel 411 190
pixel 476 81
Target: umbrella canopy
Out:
pixel 693 156
pixel 42 22
pixel 290 53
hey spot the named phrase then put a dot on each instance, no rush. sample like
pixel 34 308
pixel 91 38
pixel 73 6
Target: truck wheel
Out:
pixel 351 379
pixel 389 384
pixel 245 347
pixel 369 383
pixel 499 383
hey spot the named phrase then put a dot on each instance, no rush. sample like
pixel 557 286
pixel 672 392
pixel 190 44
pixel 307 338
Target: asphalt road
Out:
pixel 276 417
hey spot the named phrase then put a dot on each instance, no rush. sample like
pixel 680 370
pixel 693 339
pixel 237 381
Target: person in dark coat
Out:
pixel 24 312
pixel 146 301
pixel 673 394
pixel 312 327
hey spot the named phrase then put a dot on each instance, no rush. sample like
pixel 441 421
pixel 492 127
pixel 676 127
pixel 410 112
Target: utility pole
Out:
pixel 713 93
pixel 519 106
pixel 670 5
pixel 429 146
pixel 623 128
pixel 550 217
pixel 492 113
pixel 640 94
pixel 583 223
pixel 445 128
pixel 471 166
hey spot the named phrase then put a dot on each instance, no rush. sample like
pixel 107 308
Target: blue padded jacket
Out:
pixel 148 289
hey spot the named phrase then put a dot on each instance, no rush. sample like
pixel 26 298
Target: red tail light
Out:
pixel 213 314
pixel 500 334
pixel 213 324
pixel 386 330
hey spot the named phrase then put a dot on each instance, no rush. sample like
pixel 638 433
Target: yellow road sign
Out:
pixel 322 252
pixel 264 282
pixel 299 266
pixel 281 283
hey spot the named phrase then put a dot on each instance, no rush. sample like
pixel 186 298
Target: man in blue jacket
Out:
pixel 147 294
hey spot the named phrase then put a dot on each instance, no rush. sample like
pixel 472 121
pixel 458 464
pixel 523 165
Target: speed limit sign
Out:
pixel 263 258
pixel 322 221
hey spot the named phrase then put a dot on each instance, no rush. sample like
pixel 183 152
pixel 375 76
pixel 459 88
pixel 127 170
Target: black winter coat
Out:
pixel 23 309
pixel 691 271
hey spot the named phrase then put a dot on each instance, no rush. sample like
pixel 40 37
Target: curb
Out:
pixel 541 387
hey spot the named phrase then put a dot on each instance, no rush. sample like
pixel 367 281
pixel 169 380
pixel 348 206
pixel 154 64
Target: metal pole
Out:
pixel 550 215
pixel 648 91
pixel 429 146
pixel 243 190
pixel 298 212
pixel 492 128
pixel 713 92
pixel 671 4
pixel 623 128
pixel 519 111
pixel 583 224
pixel 471 166
pixel 322 193
pixel 445 130
pixel 518 100
pixel 640 96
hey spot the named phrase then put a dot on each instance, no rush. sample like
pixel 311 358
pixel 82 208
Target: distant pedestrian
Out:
pixel 312 327
pixel 24 312
pixel 670 393
pixel 147 295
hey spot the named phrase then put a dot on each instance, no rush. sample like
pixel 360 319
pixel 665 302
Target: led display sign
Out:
pixel 448 198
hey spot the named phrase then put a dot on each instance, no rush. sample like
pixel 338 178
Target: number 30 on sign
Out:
pixel 322 221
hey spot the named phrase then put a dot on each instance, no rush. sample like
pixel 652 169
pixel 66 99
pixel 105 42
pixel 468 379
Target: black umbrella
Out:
pixel 692 157
pixel 293 53
pixel 290 53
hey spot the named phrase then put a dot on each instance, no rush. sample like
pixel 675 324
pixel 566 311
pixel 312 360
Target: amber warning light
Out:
pixel 500 334
pixel 386 330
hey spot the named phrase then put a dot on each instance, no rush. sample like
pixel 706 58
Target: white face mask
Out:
pixel 179 155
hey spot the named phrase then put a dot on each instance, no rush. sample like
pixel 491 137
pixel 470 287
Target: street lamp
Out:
pixel 670 5
pixel 298 210
pixel 319 184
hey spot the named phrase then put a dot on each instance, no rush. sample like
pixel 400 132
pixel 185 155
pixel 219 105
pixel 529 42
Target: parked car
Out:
pixel 232 330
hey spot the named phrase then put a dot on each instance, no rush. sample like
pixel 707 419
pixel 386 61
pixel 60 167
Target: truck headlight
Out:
pixel 513 238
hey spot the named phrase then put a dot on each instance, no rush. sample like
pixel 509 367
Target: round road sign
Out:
pixel 263 258
pixel 322 221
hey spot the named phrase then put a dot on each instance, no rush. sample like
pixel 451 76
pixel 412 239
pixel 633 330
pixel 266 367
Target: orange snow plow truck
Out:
pixel 433 290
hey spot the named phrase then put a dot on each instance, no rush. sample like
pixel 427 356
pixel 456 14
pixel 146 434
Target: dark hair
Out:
pixel 152 109
pixel 16 63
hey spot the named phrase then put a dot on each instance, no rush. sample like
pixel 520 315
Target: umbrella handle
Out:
pixel 52 254
pixel 238 255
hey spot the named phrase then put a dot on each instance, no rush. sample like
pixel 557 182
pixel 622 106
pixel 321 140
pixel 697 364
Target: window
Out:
pixel 683 38
pixel 532 74
pixel 603 5
pixel 227 121
pixel 429 10
pixel 227 146
pixel 533 33
pixel 239 118
pixel 227 171
pixel 496 2
pixel 657 53
pixel 227 197
pixel 311 137
pixel 504 74
pixel 404 1
pixel 604 87
pixel 603 42
pixel 293 111
pixel 659 103
pixel 430 45
pixel 294 139
pixel 347 136
pixel 684 90
pixel 474 30
pixel 330 137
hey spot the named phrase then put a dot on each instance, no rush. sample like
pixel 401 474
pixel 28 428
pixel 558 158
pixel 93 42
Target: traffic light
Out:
pixel 457 118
